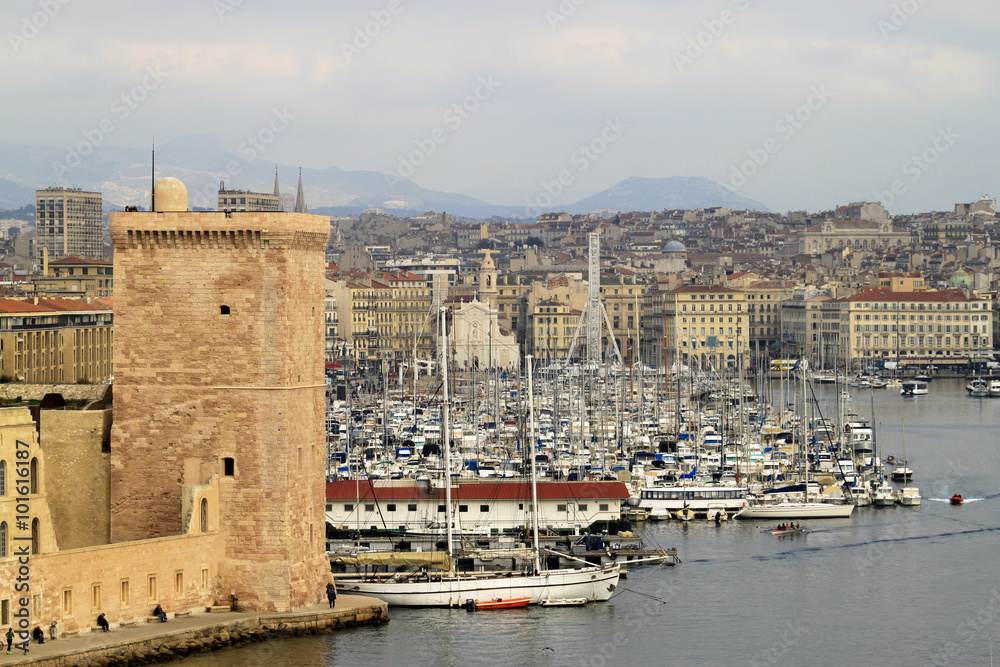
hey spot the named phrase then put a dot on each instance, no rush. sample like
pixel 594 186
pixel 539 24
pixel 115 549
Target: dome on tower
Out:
pixel 674 246
pixel 169 194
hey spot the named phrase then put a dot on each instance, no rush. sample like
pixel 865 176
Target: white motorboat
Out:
pixel 978 388
pixel 908 496
pixel 883 496
pixel 861 495
pixel 995 388
pixel 913 388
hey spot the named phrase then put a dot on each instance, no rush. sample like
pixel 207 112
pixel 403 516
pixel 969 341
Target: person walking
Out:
pixel 10 639
pixel 331 595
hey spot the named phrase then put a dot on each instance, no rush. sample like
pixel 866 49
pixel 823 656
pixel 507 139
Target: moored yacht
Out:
pixel 883 496
pixel 908 496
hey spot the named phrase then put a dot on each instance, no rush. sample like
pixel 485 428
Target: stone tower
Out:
pixel 488 280
pixel 219 379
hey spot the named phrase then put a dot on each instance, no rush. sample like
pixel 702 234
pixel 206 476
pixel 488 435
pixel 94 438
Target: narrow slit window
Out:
pixel 229 466
pixel 224 310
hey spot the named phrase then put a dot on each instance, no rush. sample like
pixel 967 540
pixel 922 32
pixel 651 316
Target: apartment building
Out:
pixel 68 223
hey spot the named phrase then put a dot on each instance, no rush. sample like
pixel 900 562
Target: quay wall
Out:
pixel 216 636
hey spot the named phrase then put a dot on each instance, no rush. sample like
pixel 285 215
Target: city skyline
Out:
pixel 797 105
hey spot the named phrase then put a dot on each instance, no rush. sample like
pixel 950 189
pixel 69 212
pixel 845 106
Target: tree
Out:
pixel 534 240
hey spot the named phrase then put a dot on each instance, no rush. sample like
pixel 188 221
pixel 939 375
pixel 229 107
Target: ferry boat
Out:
pixel 702 500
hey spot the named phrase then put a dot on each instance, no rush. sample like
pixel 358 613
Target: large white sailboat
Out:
pixel 452 589
pixel 790 509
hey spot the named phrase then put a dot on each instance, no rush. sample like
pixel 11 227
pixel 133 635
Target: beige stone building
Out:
pixel 705 326
pixel 801 328
pixel 879 324
pixel 56 340
pixel 859 234
pixel 68 222
pixel 75 277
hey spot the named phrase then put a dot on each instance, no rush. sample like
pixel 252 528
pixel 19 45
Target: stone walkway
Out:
pixel 61 651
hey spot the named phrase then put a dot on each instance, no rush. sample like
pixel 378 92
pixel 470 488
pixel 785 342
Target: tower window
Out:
pixel 229 466
pixel 223 310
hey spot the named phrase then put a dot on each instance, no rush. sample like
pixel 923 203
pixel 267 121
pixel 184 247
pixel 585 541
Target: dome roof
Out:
pixel 674 246
pixel 170 194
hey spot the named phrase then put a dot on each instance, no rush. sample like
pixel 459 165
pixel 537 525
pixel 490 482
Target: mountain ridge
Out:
pixel 201 162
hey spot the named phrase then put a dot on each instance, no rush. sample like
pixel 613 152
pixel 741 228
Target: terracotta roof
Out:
pixel 883 294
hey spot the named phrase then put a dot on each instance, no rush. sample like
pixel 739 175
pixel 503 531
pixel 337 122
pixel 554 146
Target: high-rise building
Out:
pixel 68 223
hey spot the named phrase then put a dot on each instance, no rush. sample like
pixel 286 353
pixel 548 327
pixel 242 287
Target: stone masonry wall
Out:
pixel 79 474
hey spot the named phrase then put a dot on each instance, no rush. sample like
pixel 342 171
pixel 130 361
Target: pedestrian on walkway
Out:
pixel 10 639
pixel 331 595
pixel 39 635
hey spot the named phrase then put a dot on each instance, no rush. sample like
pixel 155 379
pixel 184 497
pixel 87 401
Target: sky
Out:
pixel 799 104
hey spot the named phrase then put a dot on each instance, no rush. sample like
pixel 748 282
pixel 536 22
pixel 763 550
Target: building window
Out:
pixel 348 507
pixel 223 310
pixel 204 579
pixel 124 596
pixel 34 537
pixel 95 597
pixel 34 475
pixel 440 508
pixel 369 507
pixel 463 508
pixel 229 466
pixel 604 506
pixel 179 584
pixel 391 507
pixel 204 515
pixel 3 539
pixel 151 588
pixel 560 508
pixel 484 508
pixel 412 507
pixel 582 507
pixel 3 478
pixel 67 602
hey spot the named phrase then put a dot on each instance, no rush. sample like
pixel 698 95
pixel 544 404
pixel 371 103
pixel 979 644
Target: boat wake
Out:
pixel 948 500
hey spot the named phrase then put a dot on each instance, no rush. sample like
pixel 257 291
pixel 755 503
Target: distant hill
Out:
pixel 201 162
pixel 657 194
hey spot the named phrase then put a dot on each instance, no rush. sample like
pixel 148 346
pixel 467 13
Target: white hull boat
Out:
pixel 443 590
pixel 796 511
pixel 908 496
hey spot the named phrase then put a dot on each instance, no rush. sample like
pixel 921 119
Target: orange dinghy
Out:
pixel 500 603
pixel 957 499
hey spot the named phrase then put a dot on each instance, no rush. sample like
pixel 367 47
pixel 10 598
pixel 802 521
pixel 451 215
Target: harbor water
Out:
pixel 890 586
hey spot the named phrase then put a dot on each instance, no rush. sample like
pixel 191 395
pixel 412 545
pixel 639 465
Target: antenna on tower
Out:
pixel 152 179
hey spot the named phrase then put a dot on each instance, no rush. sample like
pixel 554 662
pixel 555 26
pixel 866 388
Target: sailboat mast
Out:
pixel 531 452
pixel 445 409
